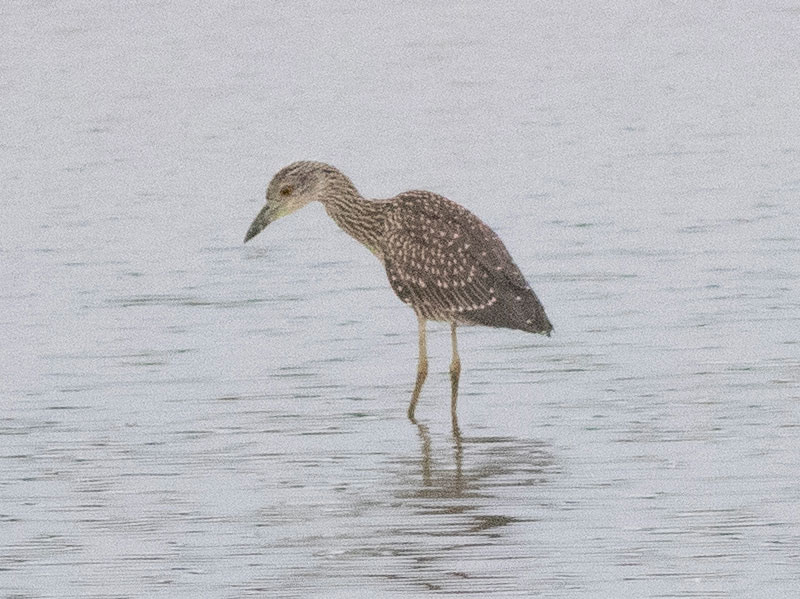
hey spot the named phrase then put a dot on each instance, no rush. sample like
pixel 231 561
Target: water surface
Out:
pixel 185 416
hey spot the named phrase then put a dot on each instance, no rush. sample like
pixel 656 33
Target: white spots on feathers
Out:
pixel 444 261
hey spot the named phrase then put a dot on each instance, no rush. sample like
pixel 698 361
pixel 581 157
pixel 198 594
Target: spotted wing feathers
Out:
pixel 448 265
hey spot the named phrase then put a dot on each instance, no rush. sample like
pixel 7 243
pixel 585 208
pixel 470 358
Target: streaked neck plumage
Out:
pixel 357 216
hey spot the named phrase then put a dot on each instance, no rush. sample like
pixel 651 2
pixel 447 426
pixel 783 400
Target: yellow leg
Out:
pixel 455 373
pixel 422 368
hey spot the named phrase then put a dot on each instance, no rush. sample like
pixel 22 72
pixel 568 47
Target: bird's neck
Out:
pixel 359 217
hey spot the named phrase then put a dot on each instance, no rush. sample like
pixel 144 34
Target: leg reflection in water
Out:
pixel 454 484
pixel 456 467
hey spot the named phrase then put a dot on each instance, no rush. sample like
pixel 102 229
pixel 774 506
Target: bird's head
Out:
pixel 293 187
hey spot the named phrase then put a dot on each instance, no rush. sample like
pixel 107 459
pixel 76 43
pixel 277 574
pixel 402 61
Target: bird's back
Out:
pixel 448 265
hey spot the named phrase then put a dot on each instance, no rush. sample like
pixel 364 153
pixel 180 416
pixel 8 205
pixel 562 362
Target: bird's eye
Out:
pixel 286 190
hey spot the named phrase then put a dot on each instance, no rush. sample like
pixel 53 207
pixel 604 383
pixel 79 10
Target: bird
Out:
pixel 440 258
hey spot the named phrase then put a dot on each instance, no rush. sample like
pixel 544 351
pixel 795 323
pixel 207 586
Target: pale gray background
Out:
pixel 185 416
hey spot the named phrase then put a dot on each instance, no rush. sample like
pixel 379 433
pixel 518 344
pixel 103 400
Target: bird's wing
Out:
pixel 442 259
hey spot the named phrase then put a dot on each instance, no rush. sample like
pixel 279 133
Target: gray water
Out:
pixel 185 416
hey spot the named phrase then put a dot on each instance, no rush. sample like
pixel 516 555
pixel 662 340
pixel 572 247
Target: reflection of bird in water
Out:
pixel 440 258
pixel 459 507
pixel 455 487
pixel 492 463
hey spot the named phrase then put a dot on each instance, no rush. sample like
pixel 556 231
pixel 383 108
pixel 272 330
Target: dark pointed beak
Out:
pixel 261 220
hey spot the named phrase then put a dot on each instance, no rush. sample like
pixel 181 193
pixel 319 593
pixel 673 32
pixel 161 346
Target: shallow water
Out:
pixel 185 416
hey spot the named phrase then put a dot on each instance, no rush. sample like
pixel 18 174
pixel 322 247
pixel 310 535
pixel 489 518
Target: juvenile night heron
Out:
pixel 441 259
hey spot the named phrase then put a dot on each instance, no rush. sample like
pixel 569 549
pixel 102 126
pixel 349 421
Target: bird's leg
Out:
pixel 455 373
pixel 422 368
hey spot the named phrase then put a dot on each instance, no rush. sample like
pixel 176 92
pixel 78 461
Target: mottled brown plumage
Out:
pixel 440 258
pixel 448 265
